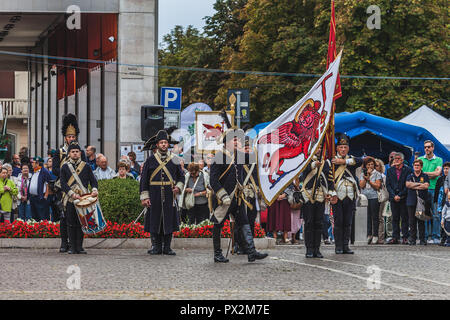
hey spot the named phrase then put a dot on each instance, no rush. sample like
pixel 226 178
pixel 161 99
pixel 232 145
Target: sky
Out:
pixel 184 13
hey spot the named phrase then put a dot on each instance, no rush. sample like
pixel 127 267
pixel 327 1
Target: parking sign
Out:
pixel 171 98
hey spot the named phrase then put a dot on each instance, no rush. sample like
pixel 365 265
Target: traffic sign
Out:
pixel 171 98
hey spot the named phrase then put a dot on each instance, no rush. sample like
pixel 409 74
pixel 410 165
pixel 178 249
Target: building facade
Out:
pixel 92 58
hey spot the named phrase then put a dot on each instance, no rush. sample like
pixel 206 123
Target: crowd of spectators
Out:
pixel 394 192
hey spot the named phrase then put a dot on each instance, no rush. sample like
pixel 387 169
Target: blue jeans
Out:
pixel 447 227
pixel 39 209
pixel 24 211
pixel 436 227
pixel 429 223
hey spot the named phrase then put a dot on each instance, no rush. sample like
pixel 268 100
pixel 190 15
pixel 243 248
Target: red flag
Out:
pixel 332 50
pixel 328 149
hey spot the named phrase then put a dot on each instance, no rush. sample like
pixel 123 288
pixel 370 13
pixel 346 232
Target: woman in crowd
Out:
pixel 23 185
pixel 196 185
pixel 379 166
pixel 7 191
pixel 417 184
pixel 279 217
pixel 294 202
pixel 370 182
pixel 15 200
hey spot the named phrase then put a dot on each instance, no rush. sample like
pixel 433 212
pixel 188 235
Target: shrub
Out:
pixel 119 199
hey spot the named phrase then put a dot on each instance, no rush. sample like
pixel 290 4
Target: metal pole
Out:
pixel 238 110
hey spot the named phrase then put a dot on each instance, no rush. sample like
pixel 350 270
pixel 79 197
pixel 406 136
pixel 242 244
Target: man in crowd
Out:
pixel 16 165
pixel 90 157
pixel 396 186
pixel 103 171
pixel 432 166
pixel 70 132
pixel 24 180
pixel 71 170
pixel 440 197
pixel 346 189
pixel 161 181
pixel 391 160
pixel 38 190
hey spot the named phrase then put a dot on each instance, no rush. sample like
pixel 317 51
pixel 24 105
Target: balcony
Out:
pixel 15 108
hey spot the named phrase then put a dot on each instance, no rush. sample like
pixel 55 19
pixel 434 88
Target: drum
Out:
pixel 90 214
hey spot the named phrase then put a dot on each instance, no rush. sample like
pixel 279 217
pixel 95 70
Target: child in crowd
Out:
pixel 445 222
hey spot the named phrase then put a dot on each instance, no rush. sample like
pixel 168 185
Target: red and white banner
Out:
pixel 285 146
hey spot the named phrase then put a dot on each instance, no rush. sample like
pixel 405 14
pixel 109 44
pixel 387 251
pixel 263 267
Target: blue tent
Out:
pixel 377 136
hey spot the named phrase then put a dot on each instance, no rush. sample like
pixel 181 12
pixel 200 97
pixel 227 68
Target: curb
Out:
pixel 117 243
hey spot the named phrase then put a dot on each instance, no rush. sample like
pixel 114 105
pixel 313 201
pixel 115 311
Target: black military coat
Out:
pixel 162 211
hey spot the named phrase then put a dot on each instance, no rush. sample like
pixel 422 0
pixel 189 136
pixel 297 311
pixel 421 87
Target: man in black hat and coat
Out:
pixel 73 191
pixel 161 180
pixel 227 180
pixel 70 132
pixel 346 187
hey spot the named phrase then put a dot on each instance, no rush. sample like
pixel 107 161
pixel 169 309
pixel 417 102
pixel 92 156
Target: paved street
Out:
pixel 404 273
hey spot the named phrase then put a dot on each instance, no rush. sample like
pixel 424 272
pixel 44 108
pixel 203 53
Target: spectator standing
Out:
pixel 370 182
pixel 396 186
pixel 122 171
pixel 39 191
pixel 15 200
pixel 391 161
pixel 295 203
pixel 134 165
pixel 91 159
pixel 196 183
pixel 16 165
pixel 445 220
pixel 381 234
pixel 440 197
pixel 104 172
pixel 279 217
pixel 417 183
pixel 7 191
pixel 23 185
pixel 432 166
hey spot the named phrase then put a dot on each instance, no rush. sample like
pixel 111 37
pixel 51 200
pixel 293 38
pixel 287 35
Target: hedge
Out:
pixel 119 199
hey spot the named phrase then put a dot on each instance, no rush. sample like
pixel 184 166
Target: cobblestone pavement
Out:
pixel 404 273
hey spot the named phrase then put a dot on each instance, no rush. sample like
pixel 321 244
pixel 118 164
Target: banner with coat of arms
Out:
pixel 284 148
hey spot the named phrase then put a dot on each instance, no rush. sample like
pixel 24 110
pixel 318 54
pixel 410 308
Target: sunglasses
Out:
pixel 428 147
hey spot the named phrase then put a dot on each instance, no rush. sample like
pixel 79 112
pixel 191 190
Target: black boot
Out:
pixel 347 233
pixel 166 245
pixel 309 253
pixel 218 256
pixel 156 244
pixel 317 237
pixel 64 236
pixel 72 234
pixel 250 244
pixel 240 247
pixel 338 240
pixel 80 239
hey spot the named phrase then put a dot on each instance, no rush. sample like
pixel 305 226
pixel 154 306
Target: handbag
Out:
pixel 189 199
pixel 421 209
pixel 383 194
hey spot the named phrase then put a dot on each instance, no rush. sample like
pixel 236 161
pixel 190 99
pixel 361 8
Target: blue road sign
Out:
pixel 171 98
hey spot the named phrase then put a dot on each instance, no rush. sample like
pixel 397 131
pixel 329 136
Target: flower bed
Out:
pixel 48 229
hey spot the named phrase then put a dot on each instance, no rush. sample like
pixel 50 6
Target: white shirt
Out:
pixel 104 174
pixel 34 184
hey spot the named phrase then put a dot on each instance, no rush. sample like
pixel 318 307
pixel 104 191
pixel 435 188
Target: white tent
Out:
pixel 436 124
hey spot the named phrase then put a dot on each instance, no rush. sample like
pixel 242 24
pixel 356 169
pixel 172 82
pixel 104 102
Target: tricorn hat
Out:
pixel 342 139
pixel 74 145
pixel 70 125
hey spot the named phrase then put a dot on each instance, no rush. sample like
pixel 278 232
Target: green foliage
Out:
pixel 291 36
pixel 119 199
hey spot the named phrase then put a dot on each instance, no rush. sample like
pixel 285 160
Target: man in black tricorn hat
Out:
pixel 70 132
pixel 347 190
pixel 227 181
pixel 161 180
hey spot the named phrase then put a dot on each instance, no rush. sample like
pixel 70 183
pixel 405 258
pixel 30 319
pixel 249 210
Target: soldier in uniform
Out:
pixel 347 191
pixel 70 132
pixel 72 191
pixel 227 180
pixel 318 187
pixel 249 173
pixel 161 180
